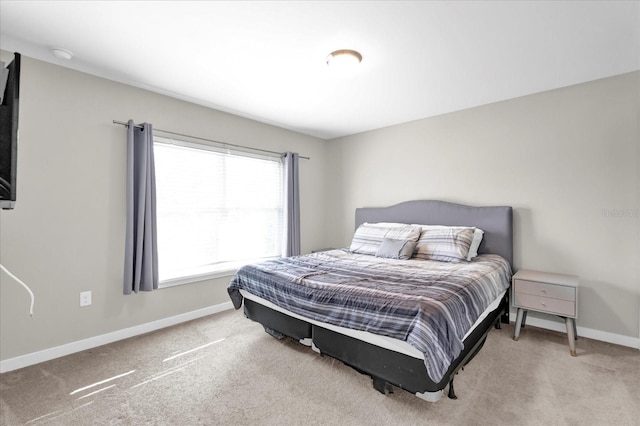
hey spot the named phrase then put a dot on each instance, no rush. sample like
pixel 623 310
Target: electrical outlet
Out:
pixel 85 298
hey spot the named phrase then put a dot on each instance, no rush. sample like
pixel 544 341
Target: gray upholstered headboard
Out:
pixel 495 221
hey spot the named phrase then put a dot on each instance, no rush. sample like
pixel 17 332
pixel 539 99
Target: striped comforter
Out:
pixel 429 304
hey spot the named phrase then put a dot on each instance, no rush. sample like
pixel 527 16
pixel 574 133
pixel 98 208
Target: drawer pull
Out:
pixel 543 304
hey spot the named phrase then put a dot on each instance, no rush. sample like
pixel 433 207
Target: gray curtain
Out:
pixel 141 248
pixel 292 205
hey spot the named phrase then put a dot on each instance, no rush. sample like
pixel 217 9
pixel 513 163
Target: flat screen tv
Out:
pixel 9 108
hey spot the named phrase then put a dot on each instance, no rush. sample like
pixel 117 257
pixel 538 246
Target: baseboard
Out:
pixel 603 336
pixel 93 342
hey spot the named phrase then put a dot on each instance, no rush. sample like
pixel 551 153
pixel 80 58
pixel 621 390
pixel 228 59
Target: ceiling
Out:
pixel 266 60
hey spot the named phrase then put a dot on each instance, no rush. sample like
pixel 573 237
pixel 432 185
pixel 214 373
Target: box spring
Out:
pixel 392 367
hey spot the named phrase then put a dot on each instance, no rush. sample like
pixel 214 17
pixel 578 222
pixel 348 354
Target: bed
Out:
pixel 374 313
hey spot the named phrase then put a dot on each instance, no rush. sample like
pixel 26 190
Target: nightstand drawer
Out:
pixel 564 308
pixel 544 290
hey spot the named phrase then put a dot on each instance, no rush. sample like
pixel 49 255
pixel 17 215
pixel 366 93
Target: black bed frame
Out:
pixel 389 368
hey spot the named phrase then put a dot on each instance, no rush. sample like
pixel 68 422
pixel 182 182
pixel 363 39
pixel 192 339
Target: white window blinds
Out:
pixel 215 207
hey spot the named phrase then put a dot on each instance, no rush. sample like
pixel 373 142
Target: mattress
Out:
pixel 385 342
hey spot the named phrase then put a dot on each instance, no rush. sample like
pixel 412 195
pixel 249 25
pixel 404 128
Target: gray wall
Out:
pixel 562 159
pixel 66 232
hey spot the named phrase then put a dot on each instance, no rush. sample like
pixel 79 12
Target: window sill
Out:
pixel 209 272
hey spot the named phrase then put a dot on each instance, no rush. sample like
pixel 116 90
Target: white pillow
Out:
pixel 475 244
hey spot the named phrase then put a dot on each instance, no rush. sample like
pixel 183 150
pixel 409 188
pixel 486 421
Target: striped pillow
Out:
pixel 368 237
pixel 444 243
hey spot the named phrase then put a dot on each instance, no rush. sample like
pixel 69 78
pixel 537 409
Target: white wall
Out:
pixel 562 159
pixel 66 234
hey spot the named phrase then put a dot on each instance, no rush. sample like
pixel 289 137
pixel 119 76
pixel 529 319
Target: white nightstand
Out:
pixel 555 294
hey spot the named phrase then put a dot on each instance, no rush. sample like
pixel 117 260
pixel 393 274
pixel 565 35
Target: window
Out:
pixel 216 210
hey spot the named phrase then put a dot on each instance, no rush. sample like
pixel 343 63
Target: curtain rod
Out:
pixel 206 140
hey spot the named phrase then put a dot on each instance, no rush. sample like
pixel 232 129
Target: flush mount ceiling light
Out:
pixel 61 53
pixel 344 58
